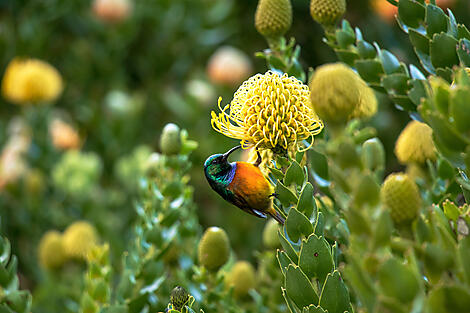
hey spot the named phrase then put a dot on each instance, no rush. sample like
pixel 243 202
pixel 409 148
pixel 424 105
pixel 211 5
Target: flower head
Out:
pixel 327 12
pixel 241 278
pixel 269 111
pixel 273 18
pixel 338 94
pixel 79 239
pixel 31 81
pixel 214 248
pixel 51 250
pixel 400 195
pixel 415 144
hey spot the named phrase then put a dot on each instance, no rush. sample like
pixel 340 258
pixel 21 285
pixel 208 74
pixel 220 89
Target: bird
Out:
pixel 242 184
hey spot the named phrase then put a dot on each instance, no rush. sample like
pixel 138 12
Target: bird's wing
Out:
pixel 240 202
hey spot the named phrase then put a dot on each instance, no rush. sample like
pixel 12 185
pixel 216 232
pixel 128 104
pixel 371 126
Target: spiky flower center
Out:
pixel 269 111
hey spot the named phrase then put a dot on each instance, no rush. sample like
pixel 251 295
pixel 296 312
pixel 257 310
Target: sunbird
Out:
pixel 242 184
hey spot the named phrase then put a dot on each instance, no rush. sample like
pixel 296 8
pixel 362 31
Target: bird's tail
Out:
pixel 277 216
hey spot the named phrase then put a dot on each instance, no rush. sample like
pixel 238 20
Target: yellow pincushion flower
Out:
pixel 400 195
pixel 269 111
pixel 338 94
pixel 31 81
pixel 79 239
pixel 415 144
pixel 241 278
pixel 51 250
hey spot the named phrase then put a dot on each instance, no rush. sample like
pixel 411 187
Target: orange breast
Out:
pixel 251 184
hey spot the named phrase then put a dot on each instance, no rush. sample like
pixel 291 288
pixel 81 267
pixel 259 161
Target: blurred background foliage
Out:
pixel 128 71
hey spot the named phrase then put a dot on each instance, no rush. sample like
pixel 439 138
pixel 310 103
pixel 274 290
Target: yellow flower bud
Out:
pixel 327 12
pixel 214 249
pixel 273 18
pixel 51 250
pixel 79 239
pixel 415 144
pixel 401 196
pixel 31 81
pixel 270 236
pixel 336 92
pixel 241 278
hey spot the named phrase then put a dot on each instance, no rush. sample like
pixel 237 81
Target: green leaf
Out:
pixel 319 164
pixel 299 288
pixel 462 32
pixel 383 229
pixel 422 231
pixel 294 174
pixel 463 51
pixel 347 56
pixel 284 195
pixel 460 108
pixel 366 192
pixel 366 50
pixel 436 20
pixel 299 155
pixel 345 38
pixel 411 13
pixel 289 303
pixel 464 257
pixel 306 204
pixel 319 224
pixel 396 83
pixel 288 248
pixel 283 260
pixel 297 225
pixel 370 70
pixel 315 258
pixel 451 210
pixel 334 296
pixel 398 281
pixel 361 283
pixel 279 175
pixel 390 62
pixel 444 299
pixel 313 309
pixel 443 132
pixel 442 51
pixel 419 41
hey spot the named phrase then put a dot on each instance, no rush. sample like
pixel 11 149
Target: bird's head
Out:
pixel 218 163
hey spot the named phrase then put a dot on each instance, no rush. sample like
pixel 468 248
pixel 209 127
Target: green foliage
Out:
pixel 12 299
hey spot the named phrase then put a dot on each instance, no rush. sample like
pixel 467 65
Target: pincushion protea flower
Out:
pixel 31 81
pixel 269 111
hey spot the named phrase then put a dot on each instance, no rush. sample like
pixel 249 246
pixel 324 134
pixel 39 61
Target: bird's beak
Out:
pixel 226 154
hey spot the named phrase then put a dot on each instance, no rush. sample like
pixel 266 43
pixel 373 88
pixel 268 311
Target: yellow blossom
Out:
pixel 51 250
pixel 269 111
pixel 415 144
pixel 338 94
pixel 242 278
pixel 31 81
pixel 79 239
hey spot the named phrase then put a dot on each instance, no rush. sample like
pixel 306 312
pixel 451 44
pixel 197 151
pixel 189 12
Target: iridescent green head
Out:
pixel 217 165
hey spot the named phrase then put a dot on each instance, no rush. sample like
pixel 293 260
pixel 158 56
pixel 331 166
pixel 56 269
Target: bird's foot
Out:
pixel 274 195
